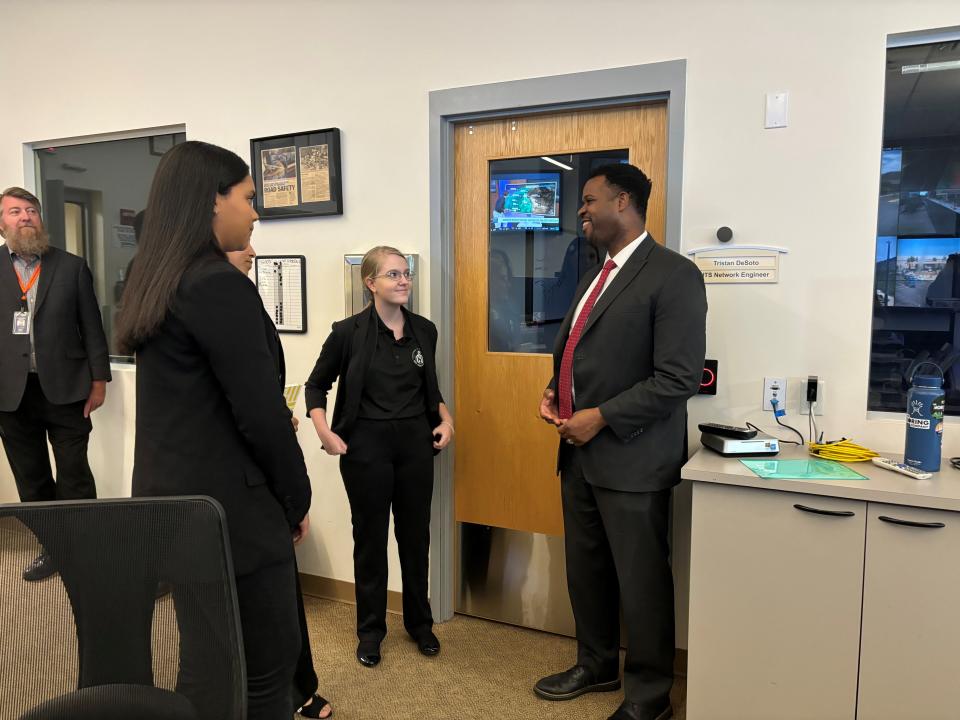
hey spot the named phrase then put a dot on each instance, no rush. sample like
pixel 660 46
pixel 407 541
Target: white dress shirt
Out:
pixel 620 259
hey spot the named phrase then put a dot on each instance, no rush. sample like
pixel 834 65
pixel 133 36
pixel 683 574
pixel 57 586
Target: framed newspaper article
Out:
pixel 282 284
pixel 297 175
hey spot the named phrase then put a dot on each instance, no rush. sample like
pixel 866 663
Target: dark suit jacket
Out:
pixel 276 347
pixel 347 353
pixel 210 420
pixel 67 332
pixel 640 357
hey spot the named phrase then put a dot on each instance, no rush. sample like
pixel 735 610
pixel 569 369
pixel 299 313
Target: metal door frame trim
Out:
pixel 592 89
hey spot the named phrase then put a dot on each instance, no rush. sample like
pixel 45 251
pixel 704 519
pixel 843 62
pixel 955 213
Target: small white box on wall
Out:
pixel 776 110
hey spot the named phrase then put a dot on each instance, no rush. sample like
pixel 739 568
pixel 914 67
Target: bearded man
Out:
pixel 54 362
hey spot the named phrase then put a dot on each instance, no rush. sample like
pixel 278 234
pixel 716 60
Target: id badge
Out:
pixel 21 323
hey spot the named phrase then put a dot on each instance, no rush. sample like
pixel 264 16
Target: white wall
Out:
pixel 235 70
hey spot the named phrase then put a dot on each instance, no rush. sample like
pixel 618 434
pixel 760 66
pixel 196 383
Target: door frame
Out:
pixel 557 93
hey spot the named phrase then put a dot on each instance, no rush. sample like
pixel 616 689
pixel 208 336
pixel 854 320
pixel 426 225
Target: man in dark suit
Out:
pixel 55 361
pixel 628 356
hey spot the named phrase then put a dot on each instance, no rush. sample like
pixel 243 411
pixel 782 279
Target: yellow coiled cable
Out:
pixel 842 450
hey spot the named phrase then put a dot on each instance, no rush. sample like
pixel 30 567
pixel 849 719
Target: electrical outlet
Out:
pixel 800 397
pixel 774 388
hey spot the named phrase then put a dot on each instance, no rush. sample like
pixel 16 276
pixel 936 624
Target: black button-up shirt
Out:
pixel 394 386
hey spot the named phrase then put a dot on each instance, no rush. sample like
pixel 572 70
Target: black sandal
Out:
pixel 314 706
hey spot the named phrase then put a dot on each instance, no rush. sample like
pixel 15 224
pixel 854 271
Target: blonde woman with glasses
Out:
pixel 389 421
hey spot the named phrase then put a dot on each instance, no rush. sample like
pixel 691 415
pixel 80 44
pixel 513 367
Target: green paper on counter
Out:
pixel 812 469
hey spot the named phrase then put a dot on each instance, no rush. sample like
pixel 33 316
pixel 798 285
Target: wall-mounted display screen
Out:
pixel 525 201
pixel 916 294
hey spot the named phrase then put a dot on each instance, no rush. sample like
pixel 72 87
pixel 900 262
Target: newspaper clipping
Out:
pixel 315 173
pixel 279 172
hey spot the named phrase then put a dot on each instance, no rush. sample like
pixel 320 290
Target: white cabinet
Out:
pixel 910 659
pixel 812 607
pixel 775 600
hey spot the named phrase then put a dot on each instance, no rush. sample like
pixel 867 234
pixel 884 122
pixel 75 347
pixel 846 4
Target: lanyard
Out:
pixel 30 283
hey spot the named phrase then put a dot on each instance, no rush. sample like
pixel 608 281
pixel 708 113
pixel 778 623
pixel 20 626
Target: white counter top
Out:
pixel 942 491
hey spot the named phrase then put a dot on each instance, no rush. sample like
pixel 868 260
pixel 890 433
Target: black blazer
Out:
pixel 68 333
pixel 276 348
pixel 640 357
pixel 347 353
pixel 210 420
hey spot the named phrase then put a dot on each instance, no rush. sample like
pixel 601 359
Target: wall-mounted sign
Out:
pixel 124 236
pixel 739 268
pixel 743 264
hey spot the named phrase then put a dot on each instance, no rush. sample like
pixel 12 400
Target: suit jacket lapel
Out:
pixel 8 279
pixel 413 321
pixel 276 348
pixel 623 278
pixel 361 353
pixel 48 265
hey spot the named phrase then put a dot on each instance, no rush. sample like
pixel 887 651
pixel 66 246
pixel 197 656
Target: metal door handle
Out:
pixel 911 523
pixel 818 511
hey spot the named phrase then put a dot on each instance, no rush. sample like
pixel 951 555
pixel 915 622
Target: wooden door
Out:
pixel 505 455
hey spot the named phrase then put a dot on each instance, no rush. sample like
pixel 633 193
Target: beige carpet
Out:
pixel 486 670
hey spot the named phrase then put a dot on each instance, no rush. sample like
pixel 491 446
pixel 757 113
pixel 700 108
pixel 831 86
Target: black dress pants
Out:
pixel 271 639
pixel 25 432
pixel 271 645
pixel 617 550
pixel 305 682
pixel 390 463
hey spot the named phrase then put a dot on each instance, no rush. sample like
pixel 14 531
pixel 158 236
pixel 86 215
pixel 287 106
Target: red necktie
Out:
pixel 565 381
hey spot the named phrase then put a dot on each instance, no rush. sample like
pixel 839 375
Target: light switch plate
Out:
pixel 776 110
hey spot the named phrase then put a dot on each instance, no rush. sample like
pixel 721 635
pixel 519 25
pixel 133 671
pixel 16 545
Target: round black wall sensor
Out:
pixel 724 234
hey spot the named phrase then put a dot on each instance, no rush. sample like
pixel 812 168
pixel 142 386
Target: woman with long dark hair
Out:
pixel 388 422
pixel 209 418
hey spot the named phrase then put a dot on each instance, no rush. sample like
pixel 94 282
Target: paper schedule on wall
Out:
pixel 282 283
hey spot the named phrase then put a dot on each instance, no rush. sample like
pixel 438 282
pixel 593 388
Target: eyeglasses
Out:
pixel 395 275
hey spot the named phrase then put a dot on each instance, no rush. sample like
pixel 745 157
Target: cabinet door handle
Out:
pixel 911 523
pixel 818 511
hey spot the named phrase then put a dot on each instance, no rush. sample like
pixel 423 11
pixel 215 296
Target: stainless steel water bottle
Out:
pixel 925 401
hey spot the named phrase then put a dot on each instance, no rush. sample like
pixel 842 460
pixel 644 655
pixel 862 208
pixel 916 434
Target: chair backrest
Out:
pixel 141 616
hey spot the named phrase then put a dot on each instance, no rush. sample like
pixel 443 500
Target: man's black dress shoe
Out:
pixel 572 683
pixel 41 568
pixel 368 653
pixel 428 644
pixel 633 711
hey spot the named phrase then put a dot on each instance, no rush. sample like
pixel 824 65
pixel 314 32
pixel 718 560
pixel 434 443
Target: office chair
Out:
pixel 139 622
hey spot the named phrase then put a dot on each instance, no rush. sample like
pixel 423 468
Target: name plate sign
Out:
pixel 739 268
